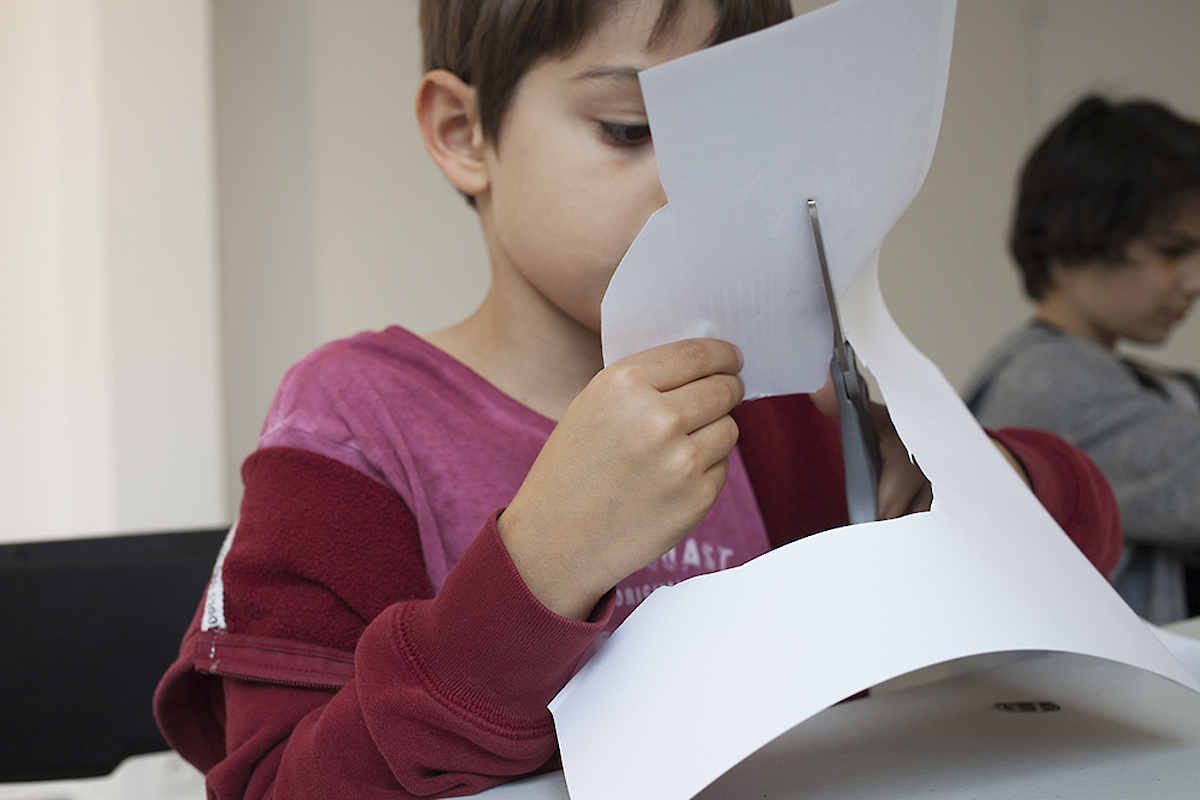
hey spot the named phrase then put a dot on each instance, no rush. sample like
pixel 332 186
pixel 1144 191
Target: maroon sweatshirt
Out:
pixel 323 662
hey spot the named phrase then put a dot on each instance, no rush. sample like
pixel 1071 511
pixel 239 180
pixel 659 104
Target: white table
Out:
pixel 1118 732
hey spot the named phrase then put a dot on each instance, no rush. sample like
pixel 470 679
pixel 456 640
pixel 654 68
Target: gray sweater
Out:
pixel 1142 432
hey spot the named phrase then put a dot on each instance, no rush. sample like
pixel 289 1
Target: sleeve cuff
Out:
pixel 487 644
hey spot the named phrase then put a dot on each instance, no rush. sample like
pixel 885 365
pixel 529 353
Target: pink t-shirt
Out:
pixel 455 448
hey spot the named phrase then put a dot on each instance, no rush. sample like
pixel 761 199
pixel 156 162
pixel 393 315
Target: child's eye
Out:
pixel 1175 252
pixel 1173 245
pixel 625 135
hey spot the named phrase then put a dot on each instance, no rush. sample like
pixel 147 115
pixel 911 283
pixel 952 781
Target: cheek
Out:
pixel 1137 308
pixel 1159 278
pixel 1157 291
pixel 1132 290
pixel 526 207
pixel 600 220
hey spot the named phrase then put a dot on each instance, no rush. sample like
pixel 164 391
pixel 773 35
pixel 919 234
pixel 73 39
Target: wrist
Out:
pixel 545 569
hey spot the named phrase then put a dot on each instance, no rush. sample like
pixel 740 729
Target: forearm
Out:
pixel 449 697
pixel 337 671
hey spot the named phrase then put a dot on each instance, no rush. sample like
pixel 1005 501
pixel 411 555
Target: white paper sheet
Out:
pixel 1185 649
pixel 844 105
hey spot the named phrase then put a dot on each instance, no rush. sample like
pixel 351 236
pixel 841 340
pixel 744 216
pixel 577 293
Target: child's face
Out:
pixel 573 177
pixel 1144 299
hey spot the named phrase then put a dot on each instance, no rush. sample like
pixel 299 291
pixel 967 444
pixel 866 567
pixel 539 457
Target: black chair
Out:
pixel 89 626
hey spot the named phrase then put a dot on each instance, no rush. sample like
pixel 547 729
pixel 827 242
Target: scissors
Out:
pixel 860 442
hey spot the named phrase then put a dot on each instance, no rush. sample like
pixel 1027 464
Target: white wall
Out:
pixel 50 314
pixel 108 315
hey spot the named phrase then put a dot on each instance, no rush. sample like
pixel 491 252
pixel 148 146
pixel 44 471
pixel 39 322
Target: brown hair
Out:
pixel 490 44
pixel 1101 177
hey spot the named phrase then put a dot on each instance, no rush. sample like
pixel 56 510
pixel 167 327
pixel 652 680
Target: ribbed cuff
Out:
pixel 488 645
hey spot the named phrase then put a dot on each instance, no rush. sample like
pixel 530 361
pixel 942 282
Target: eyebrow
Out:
pixel 619 75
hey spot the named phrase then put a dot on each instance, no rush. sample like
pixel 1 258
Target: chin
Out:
pixel 1151 337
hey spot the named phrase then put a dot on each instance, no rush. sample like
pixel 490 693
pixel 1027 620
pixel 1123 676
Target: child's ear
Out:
pixel 448 114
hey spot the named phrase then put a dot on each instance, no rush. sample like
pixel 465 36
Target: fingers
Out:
pixel 712 444
pixel 924 499
pixel 696 385
pixel 672 365
pixel 634 463
pixel 705 400
pixel 903 487
pixel 690 428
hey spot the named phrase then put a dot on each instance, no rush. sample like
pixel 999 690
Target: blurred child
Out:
pixel 436 530
pixel 1107 238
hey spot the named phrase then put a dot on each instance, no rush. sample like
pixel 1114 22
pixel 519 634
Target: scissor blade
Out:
pixel 860 443
pixel 839 339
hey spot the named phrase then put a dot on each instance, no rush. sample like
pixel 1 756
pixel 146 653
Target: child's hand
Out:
pixel 903 488
pixel 635 463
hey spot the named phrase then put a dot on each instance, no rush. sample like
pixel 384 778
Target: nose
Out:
pixel 655 190
pixel 661 199
pixel 659 194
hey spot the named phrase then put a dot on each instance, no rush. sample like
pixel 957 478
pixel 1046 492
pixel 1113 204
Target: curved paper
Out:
pixel 842 105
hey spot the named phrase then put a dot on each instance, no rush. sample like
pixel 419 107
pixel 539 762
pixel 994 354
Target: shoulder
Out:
pixel 1036 363
pixel 348 376
pixel 341 397
pixel 1034 348
pixel 1066 360
pixel 388 350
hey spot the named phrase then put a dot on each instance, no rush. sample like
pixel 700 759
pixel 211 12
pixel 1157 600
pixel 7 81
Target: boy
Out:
pixel 1107 238
pixel 436 531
